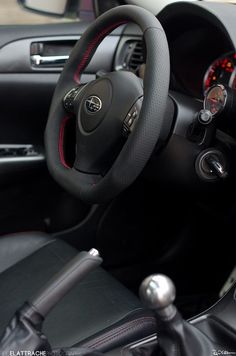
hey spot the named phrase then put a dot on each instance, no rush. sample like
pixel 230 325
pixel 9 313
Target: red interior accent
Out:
pixel 61 141
pixel 91 46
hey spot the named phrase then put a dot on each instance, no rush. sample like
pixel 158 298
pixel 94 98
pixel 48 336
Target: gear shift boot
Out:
pixel 178 335
pixel 175 336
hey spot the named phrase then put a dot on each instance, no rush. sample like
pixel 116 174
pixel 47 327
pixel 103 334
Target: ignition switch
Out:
pixel 211 165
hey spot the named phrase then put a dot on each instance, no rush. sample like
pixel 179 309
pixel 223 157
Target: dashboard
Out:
pixel 201 37
pixel 202 43
pixel 201 46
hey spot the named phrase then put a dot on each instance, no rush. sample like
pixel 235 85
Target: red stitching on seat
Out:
pixel 117 332
pixel 91 46
pixel 61 141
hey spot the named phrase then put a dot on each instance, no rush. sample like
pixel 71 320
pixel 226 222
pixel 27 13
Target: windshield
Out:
pixel 228 1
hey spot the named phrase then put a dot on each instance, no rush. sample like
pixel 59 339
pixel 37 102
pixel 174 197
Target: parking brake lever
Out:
pixel 24 330
pixel 59 285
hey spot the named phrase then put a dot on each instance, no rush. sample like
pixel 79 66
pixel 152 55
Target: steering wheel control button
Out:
pixel 135 113
pixel 69 98
pixel 128 123
pixel 132 117
pixel 211 165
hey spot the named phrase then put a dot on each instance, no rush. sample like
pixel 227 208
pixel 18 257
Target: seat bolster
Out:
pixel 98 312
pixel 16 247
pixel 137 325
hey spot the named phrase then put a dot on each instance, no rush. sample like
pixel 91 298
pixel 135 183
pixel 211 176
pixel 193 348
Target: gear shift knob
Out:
pixel 158 292
pixel 175 335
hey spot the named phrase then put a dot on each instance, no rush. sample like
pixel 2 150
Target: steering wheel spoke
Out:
pixel 88 179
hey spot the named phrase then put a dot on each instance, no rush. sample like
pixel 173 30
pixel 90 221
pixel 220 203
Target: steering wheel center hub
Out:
pixel 95 104
pixel 101 113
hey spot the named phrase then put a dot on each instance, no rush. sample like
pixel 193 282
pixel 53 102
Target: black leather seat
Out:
pixel 99 312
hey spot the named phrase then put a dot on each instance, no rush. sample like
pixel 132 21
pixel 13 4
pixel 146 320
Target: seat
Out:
pixel 98 313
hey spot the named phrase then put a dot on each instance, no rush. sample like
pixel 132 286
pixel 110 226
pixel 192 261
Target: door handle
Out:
pixel 52 61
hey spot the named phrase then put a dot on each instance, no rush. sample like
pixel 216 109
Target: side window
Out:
pixel 16 12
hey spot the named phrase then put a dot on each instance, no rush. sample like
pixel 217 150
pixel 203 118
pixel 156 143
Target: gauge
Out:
pixel 215 99
pixel 220 71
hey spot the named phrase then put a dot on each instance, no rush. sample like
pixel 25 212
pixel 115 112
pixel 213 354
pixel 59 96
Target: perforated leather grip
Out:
pixel 138 148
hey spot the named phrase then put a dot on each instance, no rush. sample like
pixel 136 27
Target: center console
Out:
pixel 212 332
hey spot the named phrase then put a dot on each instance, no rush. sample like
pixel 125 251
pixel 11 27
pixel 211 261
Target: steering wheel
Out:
pixel 118 117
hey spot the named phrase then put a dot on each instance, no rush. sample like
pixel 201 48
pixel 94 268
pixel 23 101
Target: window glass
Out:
pixel 13 13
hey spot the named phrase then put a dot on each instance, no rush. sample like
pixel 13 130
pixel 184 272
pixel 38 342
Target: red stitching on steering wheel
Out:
pixel 61 141
pixel 91 46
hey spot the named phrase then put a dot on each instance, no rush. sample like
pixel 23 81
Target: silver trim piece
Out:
pixel 158 292
pixel 198 319
pixel 93 252
pixel 32 157
pixel 38 60
pixel 21 159
pixel 15 145
pixel 142 342
pixel 206 99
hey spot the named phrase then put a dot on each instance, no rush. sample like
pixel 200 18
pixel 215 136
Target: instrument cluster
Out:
pixel 221 71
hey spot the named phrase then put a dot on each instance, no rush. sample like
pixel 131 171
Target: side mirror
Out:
pixel 53 8
pixel 74 9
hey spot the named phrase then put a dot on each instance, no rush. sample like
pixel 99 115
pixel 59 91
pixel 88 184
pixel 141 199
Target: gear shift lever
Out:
pixel 158 292
pixel 175 335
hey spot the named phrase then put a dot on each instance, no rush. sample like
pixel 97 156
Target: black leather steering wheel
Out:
pixel 118 117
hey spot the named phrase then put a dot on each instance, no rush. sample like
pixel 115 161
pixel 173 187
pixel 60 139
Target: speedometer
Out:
pixel 221 71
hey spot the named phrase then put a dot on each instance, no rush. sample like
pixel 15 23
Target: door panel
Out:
pixel 30 199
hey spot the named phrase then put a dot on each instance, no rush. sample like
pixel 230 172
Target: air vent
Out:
pixel 130 54
pixel 136 55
